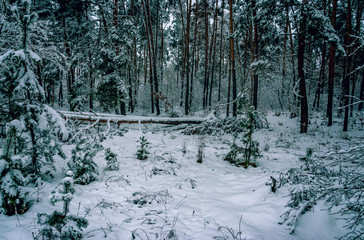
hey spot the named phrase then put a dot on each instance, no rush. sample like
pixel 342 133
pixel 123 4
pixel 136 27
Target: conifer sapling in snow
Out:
pixel 234 151
pixel 250 149
pixel 111 160
pixel 32 127
pixel 14 193
pixel 62 225
pixel 82 163
pixel 142 152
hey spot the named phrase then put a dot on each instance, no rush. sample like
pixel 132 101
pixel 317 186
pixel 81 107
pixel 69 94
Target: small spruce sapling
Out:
pixel 82 163
pixel 232 155
pixel 142 152
pixel 61 225
pixel 250 149
pixel 111 160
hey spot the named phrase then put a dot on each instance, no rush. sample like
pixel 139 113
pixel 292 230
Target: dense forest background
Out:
pixel 177 57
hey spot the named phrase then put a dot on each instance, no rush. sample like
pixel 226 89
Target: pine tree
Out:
pixel 82 163
pixel 61 225
pixel 250 147
pixel 246 154
pixel 234 151
pixel 32 127
pixel 111 160
pixel 14 193
pixel 142 152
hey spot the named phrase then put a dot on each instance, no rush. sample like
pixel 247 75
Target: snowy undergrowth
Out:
pixel 171 196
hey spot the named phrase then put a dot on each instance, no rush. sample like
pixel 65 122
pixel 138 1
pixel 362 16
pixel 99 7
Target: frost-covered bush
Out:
pixel 142 198
pixel 62 225
pixel 82 163
pixel 142 152
pixel 216 126
pixel 336 178
pixel 111 160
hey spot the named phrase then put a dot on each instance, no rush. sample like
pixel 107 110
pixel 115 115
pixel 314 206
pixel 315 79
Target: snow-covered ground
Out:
pixel 171 194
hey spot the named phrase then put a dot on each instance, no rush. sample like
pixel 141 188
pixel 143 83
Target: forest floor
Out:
pixel 171 195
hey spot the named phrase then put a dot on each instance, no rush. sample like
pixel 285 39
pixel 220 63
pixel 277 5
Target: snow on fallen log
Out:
pixel 120 119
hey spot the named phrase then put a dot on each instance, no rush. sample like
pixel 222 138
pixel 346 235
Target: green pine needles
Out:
pixel 112 162
pixel 62 225
pixel 82 163
pixel 246 154
pixel 142 152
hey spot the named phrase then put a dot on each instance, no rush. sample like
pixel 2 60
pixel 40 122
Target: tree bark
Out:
pixel 233 73
pixel 187 55
pixel 331 68
pixel 229 88
pixel 346 74
pixel 221 49
pixel 293 68
pixel 301 73
pixel 255 88
pixel 206 80
pixel 213 42
pixel 193 56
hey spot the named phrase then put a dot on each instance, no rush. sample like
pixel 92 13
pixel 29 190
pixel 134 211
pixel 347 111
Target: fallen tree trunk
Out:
pixel 119 119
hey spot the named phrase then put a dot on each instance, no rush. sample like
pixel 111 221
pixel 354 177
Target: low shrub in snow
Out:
pixel 218 126
pixel 337 179
pixel 167 228
pixel 142 198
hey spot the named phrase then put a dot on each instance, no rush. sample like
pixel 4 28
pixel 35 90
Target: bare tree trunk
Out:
pixel 346 74
pixel 301 73
pixel 193 56
pixel 221 49
pixel 155 58
pixel 91 96
pixel 246 45
pixel 282 92
pixel 60 93
pixel 150 58
pixel 293 65
pixel 229 88
pixel 232 58
pixel 255 88
pixel 187 55
pixel 331 67
pixel 206 81
pixel 131 104
pixel 213 42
